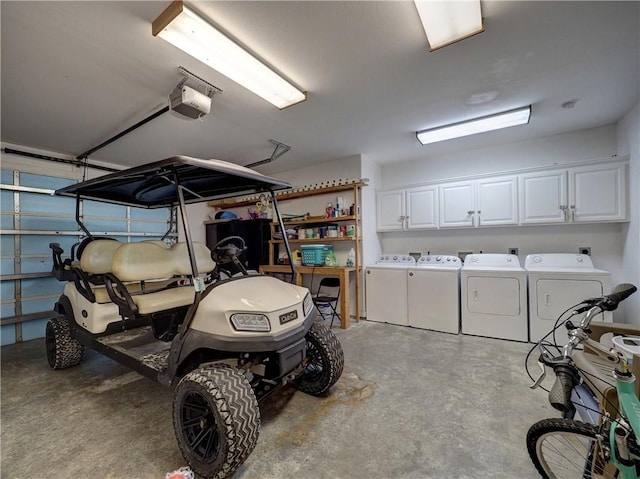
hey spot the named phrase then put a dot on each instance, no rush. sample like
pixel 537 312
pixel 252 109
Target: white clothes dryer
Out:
pixel 386 288
pixel 493 291
pixel 434 293
pixel 557 281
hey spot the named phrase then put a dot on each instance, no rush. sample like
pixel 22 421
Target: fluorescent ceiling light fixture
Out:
pixel 184 29
pixel 449 21
pixel 519 116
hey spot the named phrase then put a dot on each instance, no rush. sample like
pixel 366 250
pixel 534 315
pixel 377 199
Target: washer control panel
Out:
pixel 396 259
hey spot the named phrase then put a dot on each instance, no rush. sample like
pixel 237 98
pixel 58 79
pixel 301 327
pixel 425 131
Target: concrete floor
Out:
pixel 410 404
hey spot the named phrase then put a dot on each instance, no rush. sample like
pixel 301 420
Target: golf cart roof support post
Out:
pixel 187 233
pixel 285 240
pixel 78 220
pixel 172 217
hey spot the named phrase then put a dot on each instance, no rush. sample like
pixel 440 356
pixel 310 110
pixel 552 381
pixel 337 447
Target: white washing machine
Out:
pixel 434 293
pixel 493 291
pixel 557 281
pixel 386 288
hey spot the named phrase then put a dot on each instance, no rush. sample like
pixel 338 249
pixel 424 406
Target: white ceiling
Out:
pixel 76 73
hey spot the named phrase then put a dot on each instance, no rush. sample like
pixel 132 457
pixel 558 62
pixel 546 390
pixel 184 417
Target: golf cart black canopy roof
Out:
pixel 153 185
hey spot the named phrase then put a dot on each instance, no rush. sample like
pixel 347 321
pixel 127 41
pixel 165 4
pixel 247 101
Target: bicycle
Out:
pixel 605 443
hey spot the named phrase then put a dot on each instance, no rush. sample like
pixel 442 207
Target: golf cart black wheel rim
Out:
pixel 315 366
pixel 199 427
pixel 50 342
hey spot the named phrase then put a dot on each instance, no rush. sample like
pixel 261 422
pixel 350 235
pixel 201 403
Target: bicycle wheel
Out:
pixel 565 449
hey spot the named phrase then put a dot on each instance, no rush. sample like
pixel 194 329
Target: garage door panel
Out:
pixel 106 225
pixel 47 223
pixel 39 244
pixel 159 214
pixel 37 202
pixel 7 290
pixel 41 181
pixel 95 208
pixel 6 222
pixel 41 286
pixel 33 329
pixel 6 200
pixel 7 333
pixel 6 266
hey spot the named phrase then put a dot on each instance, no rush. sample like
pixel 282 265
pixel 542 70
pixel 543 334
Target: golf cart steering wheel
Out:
pixel 225 250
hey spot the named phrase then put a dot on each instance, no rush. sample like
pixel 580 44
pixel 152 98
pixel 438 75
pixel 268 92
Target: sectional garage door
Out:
pixel 31 218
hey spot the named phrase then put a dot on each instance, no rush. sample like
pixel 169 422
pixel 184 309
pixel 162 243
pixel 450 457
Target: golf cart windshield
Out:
pixel 154 185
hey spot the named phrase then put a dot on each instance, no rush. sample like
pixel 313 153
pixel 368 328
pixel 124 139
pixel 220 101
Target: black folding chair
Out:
pixel 328 293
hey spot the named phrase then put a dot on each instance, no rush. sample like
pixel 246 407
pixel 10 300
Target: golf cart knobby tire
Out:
pixel 325 361
pixel 216 420
pixel 63 351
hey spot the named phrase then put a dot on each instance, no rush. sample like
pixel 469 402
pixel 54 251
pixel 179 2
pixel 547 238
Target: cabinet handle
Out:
pixel 479 217
pixel 573 213
pixel 547 297
pixel 410 274
pixel 475 295
pixel 563 208
pixel 473 217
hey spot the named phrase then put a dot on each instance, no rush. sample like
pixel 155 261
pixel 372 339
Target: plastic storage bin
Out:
pixel 315 254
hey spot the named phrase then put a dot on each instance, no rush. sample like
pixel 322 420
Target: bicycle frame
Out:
pixel 630 408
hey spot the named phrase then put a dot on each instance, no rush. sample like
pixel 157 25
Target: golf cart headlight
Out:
pixel 250 322
pixel 307 305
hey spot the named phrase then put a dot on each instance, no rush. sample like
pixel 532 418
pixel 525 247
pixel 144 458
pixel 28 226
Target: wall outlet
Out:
pixel 584 250
pixel 513 251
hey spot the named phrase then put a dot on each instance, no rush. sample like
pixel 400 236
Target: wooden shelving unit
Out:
pixel 345 273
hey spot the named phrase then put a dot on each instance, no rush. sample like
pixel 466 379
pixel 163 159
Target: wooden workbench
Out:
pixel 342 272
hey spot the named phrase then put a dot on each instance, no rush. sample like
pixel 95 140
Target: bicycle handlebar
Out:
pixel 566 374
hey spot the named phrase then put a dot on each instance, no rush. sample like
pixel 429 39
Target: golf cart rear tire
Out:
pixel 216 420
pixel 63 351
pixel 325 361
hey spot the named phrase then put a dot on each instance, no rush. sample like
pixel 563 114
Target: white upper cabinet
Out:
pixel 497 201
pixel 593 193
pixel 422 207
pixel 598 193
pixel 543 197
pixel 414 208
pixel 390 210
pixel 457 204
pixel 575 194
pixel 482 202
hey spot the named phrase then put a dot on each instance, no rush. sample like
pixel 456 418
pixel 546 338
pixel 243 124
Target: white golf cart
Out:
pixel 171 314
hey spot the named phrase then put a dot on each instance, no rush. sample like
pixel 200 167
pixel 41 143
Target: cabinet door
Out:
pixel 422 207
pixel 543 197
pixel 497 201
pixel 390 211
pixel 597 193
pixel 457 207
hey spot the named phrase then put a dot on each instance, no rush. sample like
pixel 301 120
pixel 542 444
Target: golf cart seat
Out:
pixel 146 262
pixel 96 261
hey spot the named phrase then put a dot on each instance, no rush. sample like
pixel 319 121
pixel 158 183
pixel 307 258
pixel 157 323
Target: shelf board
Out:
pixel 316 240
pixel 286 195
pixel 337 219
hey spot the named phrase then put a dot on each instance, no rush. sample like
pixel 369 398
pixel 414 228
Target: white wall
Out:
pixel 558 149
pixel 606 240
pixel 629 144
